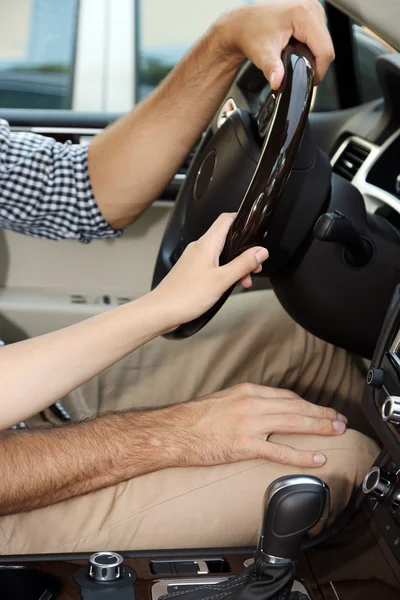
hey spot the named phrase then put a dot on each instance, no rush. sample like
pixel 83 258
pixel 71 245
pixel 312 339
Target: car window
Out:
pixel 37 48
pixel 166 30
pixel 367 48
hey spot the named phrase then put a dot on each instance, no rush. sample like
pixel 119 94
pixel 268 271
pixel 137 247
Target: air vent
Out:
pixel 349 161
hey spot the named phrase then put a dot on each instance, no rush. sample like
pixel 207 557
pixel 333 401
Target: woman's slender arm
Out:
pixel 36 373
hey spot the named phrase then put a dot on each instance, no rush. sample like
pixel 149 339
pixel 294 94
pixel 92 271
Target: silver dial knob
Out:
pixel 378 483
pixel 106 566
pixel 391 409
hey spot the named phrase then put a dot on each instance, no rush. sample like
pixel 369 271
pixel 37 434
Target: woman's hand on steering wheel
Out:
pixel 197 281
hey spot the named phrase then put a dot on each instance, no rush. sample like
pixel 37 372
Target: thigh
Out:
pixel 183 507
pixel 252 339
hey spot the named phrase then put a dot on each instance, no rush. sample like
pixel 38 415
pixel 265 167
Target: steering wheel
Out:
pixel 243 165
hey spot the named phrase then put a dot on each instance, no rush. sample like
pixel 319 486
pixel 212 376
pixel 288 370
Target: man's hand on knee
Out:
pixel 235 424
pixel 42 467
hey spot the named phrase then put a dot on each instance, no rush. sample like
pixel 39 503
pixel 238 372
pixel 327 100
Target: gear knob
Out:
pixel 293 505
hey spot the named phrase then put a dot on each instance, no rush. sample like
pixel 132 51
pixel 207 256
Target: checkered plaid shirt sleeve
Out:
pixel 45 189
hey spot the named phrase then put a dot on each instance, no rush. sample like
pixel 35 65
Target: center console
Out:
pixel 359 560
pixel 381 403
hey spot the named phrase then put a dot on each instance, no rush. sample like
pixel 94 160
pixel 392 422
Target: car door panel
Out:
pixel 44 284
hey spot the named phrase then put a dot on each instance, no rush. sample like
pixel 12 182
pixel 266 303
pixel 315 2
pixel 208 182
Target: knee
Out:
pixel 349 458
pixel 351 453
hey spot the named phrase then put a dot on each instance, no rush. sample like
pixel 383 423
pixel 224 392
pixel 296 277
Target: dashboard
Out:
pixel 374 170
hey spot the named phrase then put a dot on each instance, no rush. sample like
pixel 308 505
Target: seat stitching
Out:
pixel 158 504
pixel 195 489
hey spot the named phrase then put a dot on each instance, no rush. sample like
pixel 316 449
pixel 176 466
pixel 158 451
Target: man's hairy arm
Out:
pixel 131 162
pixel 45 466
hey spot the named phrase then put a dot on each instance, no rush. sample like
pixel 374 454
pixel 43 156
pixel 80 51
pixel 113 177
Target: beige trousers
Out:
pixel 252 339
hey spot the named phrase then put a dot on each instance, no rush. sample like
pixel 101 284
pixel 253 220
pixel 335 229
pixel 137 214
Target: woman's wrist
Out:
pixel 162 312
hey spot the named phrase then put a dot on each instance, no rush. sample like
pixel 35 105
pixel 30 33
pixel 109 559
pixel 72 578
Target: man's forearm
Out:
pixel 133 161
pixel 42 467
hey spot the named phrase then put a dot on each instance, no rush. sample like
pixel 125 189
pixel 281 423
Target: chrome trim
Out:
pixel 202 567
pixel 105 571
pixel 178 179
pixel 368 490
pixel 395 344
pixel 160 588
pixel 374 196
pixel 228 108
pixel 248 562
pixel 294 480
pixel 393 416
pixel 334 590
pixel 274 560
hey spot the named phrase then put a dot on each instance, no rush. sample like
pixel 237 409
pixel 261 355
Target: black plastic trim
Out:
pixel 345 65
pixel 187 552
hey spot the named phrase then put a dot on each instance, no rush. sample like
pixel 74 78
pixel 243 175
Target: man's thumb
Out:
pixel 274 71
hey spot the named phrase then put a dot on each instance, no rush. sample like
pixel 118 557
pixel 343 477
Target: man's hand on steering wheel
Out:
pixel 260 32
pixel 197 281
pixel 259 158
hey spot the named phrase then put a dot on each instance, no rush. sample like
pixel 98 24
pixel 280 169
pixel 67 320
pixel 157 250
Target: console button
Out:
pixel 180 567
pixel 391 409
pixel 375 378
pixel 105 566
pixel 161 567
pixel 378 483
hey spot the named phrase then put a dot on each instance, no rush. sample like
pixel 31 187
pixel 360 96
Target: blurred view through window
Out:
pixel 37 48
pixel 38 51
pixel 167 29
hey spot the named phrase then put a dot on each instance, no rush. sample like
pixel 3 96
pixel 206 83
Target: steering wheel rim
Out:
pixel 280 126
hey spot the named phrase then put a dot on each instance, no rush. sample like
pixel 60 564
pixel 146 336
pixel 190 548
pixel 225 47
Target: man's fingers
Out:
pixel 294 423
pixel 286 455
pixel 244 264
pixel 298 406
pixel 272 67
pixel 312 31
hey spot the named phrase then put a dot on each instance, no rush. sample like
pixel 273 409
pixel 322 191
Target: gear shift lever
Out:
pixel 292 507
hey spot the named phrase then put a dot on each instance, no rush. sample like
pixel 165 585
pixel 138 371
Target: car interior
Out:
pixel 319 169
